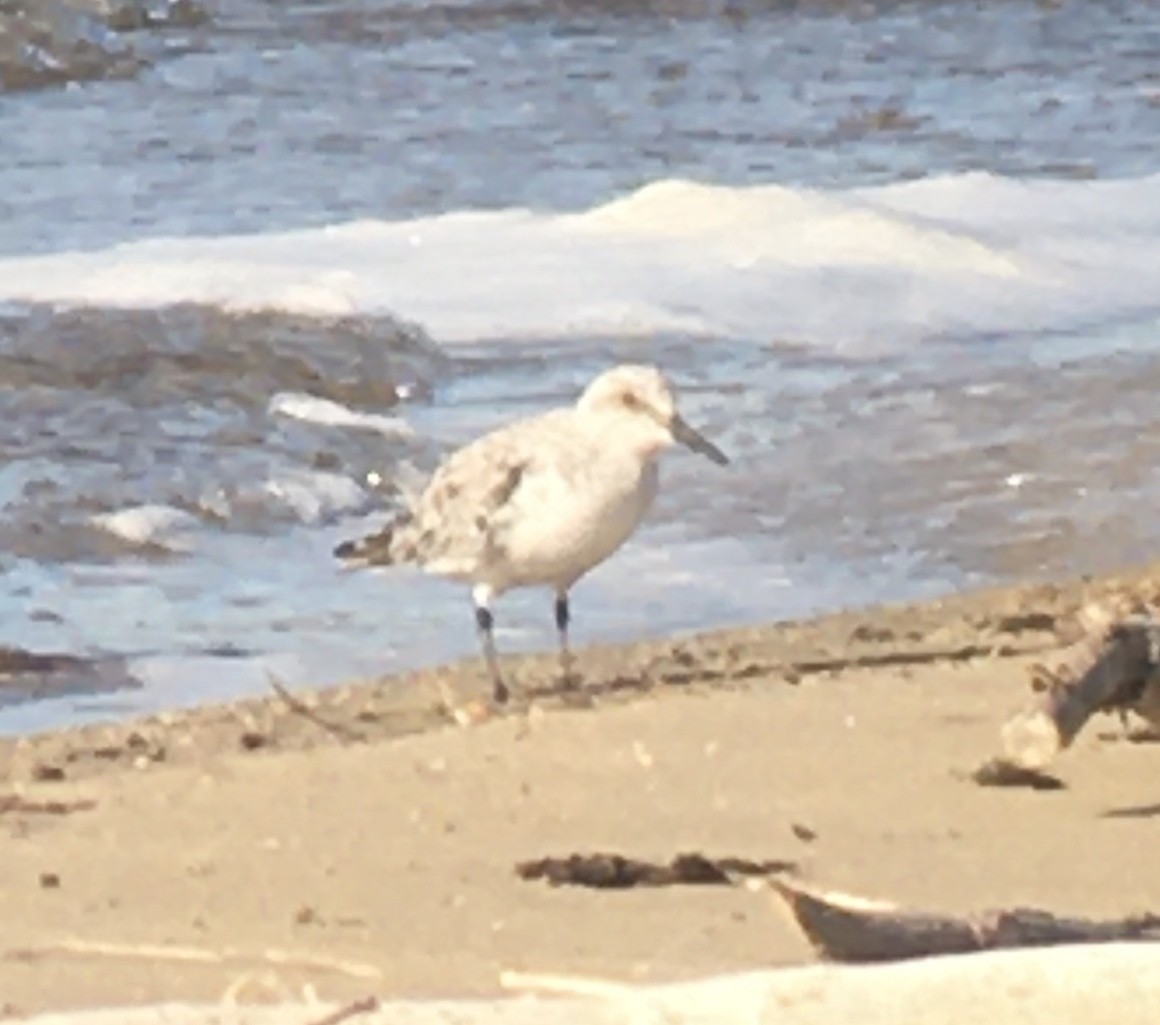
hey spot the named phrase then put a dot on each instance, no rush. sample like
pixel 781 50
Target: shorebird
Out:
pixel 541 501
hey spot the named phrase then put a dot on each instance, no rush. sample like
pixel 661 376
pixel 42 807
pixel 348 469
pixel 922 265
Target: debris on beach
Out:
pixel 854 930
pixel 1114 666
pixel 615 871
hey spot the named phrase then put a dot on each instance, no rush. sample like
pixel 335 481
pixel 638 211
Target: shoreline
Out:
pixel 1002 621
pixel 171 858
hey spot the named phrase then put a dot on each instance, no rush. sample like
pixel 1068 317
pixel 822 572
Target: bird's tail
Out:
pixel 378 549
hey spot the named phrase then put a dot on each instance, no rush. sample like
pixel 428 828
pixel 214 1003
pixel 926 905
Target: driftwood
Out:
pixel 849 929
pixel 1114 666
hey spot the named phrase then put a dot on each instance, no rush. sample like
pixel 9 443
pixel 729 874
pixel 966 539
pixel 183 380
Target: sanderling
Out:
pixel 540 501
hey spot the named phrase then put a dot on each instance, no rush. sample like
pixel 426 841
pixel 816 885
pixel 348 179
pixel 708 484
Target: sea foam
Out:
pixel 853 270
pixel 327 413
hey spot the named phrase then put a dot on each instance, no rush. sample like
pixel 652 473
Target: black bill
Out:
pixel 692 438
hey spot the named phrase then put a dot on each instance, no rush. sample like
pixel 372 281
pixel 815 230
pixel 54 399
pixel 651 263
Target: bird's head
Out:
pixel 641 404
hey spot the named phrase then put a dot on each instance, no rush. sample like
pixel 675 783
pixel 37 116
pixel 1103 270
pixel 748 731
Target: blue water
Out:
pixel 932 352
pixel 278 115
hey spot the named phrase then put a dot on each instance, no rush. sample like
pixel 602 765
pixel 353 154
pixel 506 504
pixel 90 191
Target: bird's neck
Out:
pixel 638 436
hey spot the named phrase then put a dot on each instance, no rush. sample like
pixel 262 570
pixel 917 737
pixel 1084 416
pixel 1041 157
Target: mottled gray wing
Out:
pixel 452 526
pixel 457 524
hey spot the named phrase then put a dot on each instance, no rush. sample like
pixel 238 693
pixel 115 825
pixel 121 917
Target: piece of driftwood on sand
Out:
pixel 850 929
pixel 1113 666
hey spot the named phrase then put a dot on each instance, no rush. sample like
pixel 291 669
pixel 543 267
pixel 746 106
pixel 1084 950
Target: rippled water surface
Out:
pixel 278 114
pixel 897 257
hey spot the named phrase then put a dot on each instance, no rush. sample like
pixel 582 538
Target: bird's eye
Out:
pixel 630 401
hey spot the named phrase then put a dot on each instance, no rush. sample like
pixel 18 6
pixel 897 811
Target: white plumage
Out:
pixel 543 500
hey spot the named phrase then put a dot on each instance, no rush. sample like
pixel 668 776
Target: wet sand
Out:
pixel 372 842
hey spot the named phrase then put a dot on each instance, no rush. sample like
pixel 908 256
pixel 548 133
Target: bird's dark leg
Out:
pixel 484 621
pixel 563 618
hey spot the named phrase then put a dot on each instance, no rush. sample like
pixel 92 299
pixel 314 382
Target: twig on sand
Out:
pixel 190 955
pixel 18 804
pixel 364 1005
pixel 298 706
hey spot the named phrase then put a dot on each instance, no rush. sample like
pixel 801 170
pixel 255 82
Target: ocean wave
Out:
pixel 55 42
pixel 147 433
pixel 852 270
pixel 151 526
pixel 200 353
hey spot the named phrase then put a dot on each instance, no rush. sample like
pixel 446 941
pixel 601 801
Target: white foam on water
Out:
pixel 314 496
pixel 307 496
pixel 849 270
pixel 160 525
pixel 327 413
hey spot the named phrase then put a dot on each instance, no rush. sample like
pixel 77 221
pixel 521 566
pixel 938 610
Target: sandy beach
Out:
pixel 355 843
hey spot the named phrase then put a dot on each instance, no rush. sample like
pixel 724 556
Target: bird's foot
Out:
pixel 570 678
pixel 570 686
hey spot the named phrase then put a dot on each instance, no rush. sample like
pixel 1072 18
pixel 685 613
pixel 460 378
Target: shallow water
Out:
pixel 898 258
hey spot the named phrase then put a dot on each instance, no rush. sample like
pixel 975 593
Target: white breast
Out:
pixel 561 525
